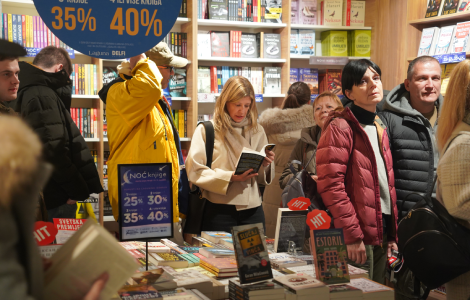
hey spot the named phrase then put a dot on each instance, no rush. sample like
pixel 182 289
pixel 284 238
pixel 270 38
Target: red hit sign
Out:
pixel 44 233
pixel 318 219
pixel 300 203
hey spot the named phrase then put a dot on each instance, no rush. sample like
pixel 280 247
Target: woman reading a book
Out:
pixel 232 199
pixel 453 170
pixel 355 172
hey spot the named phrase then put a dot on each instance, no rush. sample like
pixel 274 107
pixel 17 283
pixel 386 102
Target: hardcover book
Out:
pixel 307 42
pixel 273 11
pixel 272 80
pixel 334 43
pixel 294 76
pixel 251 253
pixel 203 44
pixel 359 42
pixel 220 43
pixel 290 227
pixel 249 45
pixel 445 37
pixel 251 159
pixel 294 41
pixel 215 236
pixel 329 254
pixel 449 7
pixel 358 13
pixel 310 77
pixel 272 45
pixel 308 12
pixel 332 12
pixel 218 10
pixel 460 42
pixel 429 38
pixel 433 8
pixel 302 284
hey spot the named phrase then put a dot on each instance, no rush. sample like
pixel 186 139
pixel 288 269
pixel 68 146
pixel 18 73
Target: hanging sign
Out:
pixel 145 201
pixel 113 29
pixel 450 58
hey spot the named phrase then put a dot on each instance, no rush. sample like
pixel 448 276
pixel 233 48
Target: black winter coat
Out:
pixel 413 146
pixel 44 101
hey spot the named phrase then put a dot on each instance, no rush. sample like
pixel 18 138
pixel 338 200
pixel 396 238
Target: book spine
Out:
pixel 89 124
pixel 95 123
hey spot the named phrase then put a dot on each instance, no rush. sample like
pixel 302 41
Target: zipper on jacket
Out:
pixel 155 145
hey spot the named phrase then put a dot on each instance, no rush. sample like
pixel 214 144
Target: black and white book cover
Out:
pixel 290 227
pixel 218 10
pixel 272 80
pixel 250 46
pixel 273 11
pixel 272 45
pixel 251 253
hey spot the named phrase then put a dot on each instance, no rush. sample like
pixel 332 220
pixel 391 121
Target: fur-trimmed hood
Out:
pixel 278 121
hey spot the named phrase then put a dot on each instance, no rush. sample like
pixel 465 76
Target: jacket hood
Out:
pixel 279 121
pixel 59 82
pixel 309 135
pixel 398 100
pixel 124 71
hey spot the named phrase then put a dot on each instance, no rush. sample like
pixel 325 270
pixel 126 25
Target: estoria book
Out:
pixel 329 255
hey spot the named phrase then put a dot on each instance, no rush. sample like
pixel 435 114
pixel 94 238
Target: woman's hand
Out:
pixel 391 246
pixel 243 177
pixel 98 286
pixel 268 159
pixel 357 252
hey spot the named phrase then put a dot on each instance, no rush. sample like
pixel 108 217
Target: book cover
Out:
pixel 220 264
pixel 273 11
pixel 333 81
pixel 252 290
pixel 190 249
pixel 272 45
pixel 460 42
pixel 330 254
pixel 287 263
pixel 294 41
pixel 272 80
pixel 358 13
pixel 307 41
pixel 355 272
pixel 344 291
pixel 445 37
pixel 359 43
pixel 203 44
pixel 210 252
pixel 427 36
pixel 215 236
pixel 177 83
pixel 109 74
pixel 218 10
pixel 249 45
pixel 156 276
pixel 334 43
pixel 220 43
pixel 449 7
pixel 228 242
pixel 294 12
pixel 251 253
pixel 308 12
pixel 310 77
pixel 300 284
pixel 203 80
pixel 346 13
pixel 333 12
pixel 433 8
pixel 170 259
pixel 369 287
pixel 290 227
pixel 251 159
pixel 294 76
pixel 131 292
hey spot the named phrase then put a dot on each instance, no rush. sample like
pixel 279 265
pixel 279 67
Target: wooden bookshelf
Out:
pixel 321 28
pixel 235 24
pixel 441 20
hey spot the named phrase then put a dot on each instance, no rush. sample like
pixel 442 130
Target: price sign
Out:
pixel 109 29
pixel 318 219
pixel 44 233
pixel 145 201
pixel 300 203
pixel 259 98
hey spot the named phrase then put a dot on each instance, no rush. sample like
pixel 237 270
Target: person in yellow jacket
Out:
pixel 139 131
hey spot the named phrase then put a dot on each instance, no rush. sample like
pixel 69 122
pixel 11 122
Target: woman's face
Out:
pixel 368 93
pixel 321 109
pixel 238 110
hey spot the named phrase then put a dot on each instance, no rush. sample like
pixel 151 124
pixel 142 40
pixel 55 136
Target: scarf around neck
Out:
pixel 236 141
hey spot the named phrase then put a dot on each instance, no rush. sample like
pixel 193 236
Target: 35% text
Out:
pixel 71 20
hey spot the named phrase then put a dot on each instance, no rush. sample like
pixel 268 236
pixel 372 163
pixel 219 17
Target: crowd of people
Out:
pixel 367 153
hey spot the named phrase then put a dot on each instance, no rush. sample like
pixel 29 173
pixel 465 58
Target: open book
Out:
pixel 91 251
pixel 251 159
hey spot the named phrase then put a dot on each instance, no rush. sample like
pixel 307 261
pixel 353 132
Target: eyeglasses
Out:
pixel 172 69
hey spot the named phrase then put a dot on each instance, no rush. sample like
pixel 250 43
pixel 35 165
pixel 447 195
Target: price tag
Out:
pixel 205 97
pixel 259 97
pixel 300 203
pixel 145 201
pixel 328 60
pixel 450 58
pixel 109 29
pixel 318 219
pixel 44 233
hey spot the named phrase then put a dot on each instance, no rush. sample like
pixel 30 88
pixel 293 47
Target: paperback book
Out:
pixel 272 80
pixel 215 236
pixel 220 43
pixel 429 37
pixel 334 43
pixel 272 45
pixel 308 12
pixel 460 42
pixel 251 253
pixel 306 42
pixel 449 7
pixel 332 12
pixel 267 288
pixel 294 76
pixel 290 227
pixel 445 38
pixel 251 159
pixel 294 41
pixel 249 45
pixel 301 284
pixel 203 44
pixel 330 254
pixel 294 12
pixel 273 11
pixel 210 252
pixel 433 8
pixel 218 10
pixel 358 13
pixel 359 42
pixel 310 77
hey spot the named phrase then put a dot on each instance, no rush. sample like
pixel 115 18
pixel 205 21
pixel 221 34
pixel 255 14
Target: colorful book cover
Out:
pixel 330 254
pixel 358 13
pixel 310 77
pixel 306 42
pixel 462 33
pixel 131 292
pixel 251 253
pixel 433 8
pixel 445 37
pixel 333 81
pixel 300 284
pixel 334 43
pixel 290 225
pixel 273 11
pixel 359 43
pixel 449 7
pixel 294 76
pixel 294 41
pixel 211 252
pixel 221 265
pixel 215 236
pixel 427 36
pixel 333 12
pixel 308 12
pixel 220 43
pixel 178 83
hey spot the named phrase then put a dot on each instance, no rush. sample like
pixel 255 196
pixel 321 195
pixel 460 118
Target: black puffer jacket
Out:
pixel 413 145
pixel 44 101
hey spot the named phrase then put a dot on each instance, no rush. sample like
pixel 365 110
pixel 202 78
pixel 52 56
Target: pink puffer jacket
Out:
pixel 348 179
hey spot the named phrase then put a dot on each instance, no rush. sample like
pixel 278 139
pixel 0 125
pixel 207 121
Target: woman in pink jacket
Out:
pixel 355 174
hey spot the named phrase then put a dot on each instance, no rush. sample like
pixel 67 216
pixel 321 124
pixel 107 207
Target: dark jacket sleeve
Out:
pixel 332 159
pixel 44 115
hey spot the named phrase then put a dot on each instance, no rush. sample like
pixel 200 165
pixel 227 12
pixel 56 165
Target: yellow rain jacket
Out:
pixel 138 131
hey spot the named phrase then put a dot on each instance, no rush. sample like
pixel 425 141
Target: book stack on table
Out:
pixel 259 291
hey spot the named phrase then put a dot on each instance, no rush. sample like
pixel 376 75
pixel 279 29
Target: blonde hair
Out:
pixel 332 96
pixel 456 103
pixel 234 89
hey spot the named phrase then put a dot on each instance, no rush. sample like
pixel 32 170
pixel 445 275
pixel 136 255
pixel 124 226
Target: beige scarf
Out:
pixel 236 141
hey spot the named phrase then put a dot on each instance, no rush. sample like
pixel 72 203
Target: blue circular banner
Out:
pixel 109 29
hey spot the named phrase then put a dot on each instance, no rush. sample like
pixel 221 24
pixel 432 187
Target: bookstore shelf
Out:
pixel 442 20
pixel 85 96
pixel 264 96
pixel 108 218
pixel 180 98
pixel 224 23
pixel 183 139
pixel 320 28
pixel 413 57
pixel 92 139
pixel 249 60
pixel 307 57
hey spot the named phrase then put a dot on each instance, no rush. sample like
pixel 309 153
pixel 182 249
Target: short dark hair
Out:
pixel 51 55
pixel 297 95
pixel 422 60
pixel 354 71
pixel 7 57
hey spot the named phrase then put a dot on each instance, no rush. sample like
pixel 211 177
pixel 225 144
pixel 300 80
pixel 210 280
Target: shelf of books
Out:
pixel 239 24
pixel 321 28
pixel 247 60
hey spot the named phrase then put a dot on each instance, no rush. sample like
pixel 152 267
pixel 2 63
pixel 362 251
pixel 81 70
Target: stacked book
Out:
pixel 303 287
pixel 241 10
pixel 372 290
pixel 263 290
pixel 220 267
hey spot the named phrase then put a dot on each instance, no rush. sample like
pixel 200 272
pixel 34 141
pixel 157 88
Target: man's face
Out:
pixel 425 84
pixel 9 82
pixel 167 72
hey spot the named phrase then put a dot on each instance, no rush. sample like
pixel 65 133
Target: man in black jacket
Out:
pixel 410 114
pixel 44 99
